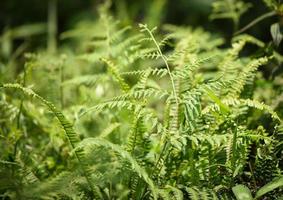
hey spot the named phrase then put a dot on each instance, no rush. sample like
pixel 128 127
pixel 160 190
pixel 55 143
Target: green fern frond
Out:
pixel 177 193
pixel 198 36
pixel 90 143
pixel 159 72
pixel 109 130
pixel 253 104
pixel 229 9
pixel 128 47
pixel 164 194
pixel 248 38
pixel 165 40
pixel 28 169
pixel 51 188
pixel 245 75
pixel 115 72
pixel 88 80
pixel 144 28
pixel 243 102
pixel 201 194
pixel 118 34
pixel 141 94
pixel 68 128
pixel 111 104
pixel 134 134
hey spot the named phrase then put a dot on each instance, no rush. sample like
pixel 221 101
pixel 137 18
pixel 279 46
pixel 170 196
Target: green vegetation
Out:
pixel 128 108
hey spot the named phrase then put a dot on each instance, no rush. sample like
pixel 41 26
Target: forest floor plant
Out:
pixel 150 113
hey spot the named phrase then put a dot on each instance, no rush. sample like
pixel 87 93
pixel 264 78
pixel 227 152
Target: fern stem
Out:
pixel 21 105
pixel 20 113
pixel 255 21
pixel 164 60
pixel 62 78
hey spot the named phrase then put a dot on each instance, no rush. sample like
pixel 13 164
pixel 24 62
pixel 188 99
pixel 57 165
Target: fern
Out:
pixel 169 113
pixel 90 142
pixel 70 133
pixel 229 9
pixel 144 28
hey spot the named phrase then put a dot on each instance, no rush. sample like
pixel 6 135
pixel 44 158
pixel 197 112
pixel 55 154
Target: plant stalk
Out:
pixel 52 27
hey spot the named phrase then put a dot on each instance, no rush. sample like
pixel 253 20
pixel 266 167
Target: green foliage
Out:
pixel 274 4
pixel 230 9
pixel 146 113
pixel 242 192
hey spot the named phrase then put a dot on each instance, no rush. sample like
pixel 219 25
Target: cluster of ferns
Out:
pixel 141 113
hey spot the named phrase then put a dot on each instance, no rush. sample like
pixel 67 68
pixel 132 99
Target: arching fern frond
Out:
pixel 68 128
pixel 88 80
pixel 90 143
pixel 144 28
pixel 201 194
pixel 51 188
pixel 245 75
pixel 243 102
pixel 114 71
pixel 158 72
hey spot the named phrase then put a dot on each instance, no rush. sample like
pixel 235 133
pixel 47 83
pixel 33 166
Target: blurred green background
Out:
pixel 25 26
pixel 182 12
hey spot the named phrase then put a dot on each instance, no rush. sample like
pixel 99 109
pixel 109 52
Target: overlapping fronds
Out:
pixel 93 142
pixel 68 128
pixel 168 114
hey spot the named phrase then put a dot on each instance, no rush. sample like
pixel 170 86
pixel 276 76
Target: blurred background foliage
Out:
pixel 14 13
pixel 24 24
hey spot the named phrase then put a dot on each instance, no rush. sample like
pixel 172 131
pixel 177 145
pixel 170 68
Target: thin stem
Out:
pixel 254 22
pixel 61 84
pixel 20 113
pixel 164 60
pixel 19 123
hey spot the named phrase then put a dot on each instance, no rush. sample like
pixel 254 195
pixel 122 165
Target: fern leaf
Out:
pixel 114 71
pixel 92 142
pixel 68 128
pixel 88 80
pixel 50 188
pixel 109 130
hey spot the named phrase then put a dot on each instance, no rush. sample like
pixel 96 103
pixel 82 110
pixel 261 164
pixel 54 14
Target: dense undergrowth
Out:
pixel 136 112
